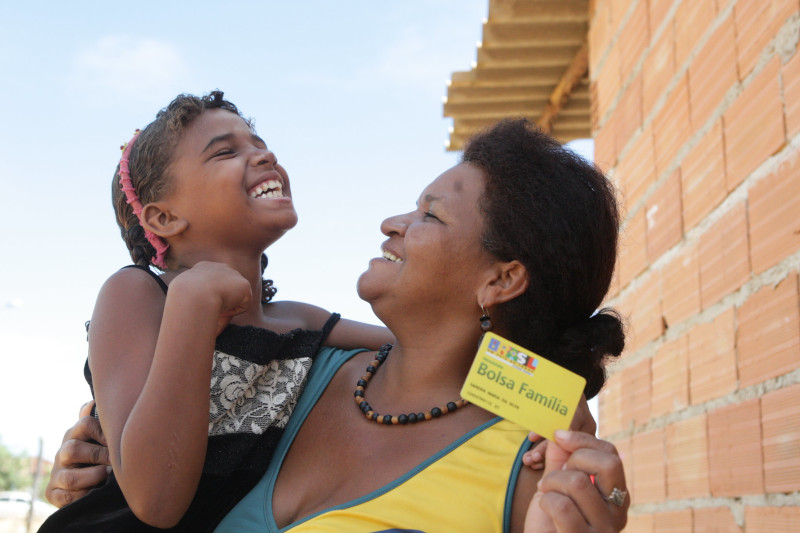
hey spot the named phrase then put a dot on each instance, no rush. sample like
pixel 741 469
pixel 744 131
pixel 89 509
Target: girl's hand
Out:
pixel 227 284
pixel 81 463
pixel 567 499
pixel 582 421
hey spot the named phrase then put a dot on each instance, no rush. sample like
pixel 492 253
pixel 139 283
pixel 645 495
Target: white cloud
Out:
pixel 128 66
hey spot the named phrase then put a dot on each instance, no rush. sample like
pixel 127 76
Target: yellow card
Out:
pixel 523 387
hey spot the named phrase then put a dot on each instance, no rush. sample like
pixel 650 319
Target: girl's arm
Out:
pixel 350 335
pixel 346 334
pixel 150 357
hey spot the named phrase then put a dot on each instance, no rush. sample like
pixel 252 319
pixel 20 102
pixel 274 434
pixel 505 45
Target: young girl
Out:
pixel 197 194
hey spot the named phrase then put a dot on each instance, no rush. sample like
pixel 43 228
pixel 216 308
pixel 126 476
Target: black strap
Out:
pixel 328 326
pixel 152 274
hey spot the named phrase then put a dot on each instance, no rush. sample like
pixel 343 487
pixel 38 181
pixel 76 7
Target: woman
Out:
pixel 519 238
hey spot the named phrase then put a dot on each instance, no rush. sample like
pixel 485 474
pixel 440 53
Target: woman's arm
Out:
pixel 151 362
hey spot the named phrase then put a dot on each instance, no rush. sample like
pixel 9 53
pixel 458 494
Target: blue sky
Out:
pixel 348 95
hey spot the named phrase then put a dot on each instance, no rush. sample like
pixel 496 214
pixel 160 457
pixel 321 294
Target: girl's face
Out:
pixel 433 258
pixel 228 185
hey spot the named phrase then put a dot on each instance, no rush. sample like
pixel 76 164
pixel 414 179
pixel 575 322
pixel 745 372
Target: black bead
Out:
pixel 387 419
pixel 371 369
pixel 412 418
pixel 374 416
pixel 403 419
pixel 361 383
pixel 436 412
pixel 358 393
pixel 420 417
pixel 451 406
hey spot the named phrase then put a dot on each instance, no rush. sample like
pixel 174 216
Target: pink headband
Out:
pixel 133 199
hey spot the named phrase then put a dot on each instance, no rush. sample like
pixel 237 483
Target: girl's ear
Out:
pixel 157 219
pixel 510 279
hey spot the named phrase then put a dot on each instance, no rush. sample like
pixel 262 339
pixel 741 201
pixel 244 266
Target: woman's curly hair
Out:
pixel 557 214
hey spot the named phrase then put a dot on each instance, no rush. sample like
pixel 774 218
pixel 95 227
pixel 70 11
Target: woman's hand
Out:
pixel 80 464
pixel 582 421
pixel 568 500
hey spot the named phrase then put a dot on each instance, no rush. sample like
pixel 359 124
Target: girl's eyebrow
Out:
pixel 229 136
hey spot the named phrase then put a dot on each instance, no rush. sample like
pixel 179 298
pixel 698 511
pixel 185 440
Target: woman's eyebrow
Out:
pixel 429 199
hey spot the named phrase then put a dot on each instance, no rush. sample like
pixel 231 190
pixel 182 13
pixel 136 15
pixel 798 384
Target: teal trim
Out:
pixel 512 484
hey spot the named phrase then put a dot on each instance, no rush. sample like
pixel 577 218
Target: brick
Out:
pixel 757 22
pixel 636 171
pixel 713 72
pixel 780 419
pixel 605 149
pixel 639 523
pixel 618 9
pixel 772 519
pixel 599 35
pixel 670 369
pixel 715 520
pixel 644 312
pixel 658 14
pixel 634 37
pixel 658 69
pixel 774 204
pixel 632 258
pixel 664 218
pixel 673 522
pixel 608 81
pixel 769 333
pixel 649 472
pixel 692 20
pixel 609 417
pixel 712 359
pixel 625 450
pixel 753 125
pixel 687 459
pixel 791 94
pixel 724 256
pixel 629 113
pixel 703 177
pixel 680 286
pixel 672 126
pixel 636 392
pixel 734 450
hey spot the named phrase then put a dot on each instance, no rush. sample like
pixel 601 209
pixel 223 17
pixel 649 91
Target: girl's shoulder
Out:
pixel 131 284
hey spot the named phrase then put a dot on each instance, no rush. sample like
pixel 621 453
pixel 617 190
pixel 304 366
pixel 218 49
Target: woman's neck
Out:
pixel 427 364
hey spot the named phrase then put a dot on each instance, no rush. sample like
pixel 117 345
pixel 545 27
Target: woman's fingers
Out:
pixel 80 464
pixel 588 502
pixel 70 484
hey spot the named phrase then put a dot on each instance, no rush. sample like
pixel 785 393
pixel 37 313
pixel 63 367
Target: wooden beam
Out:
pixel 569 80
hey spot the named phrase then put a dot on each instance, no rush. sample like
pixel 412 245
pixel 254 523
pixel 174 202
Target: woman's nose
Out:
pixel 395 225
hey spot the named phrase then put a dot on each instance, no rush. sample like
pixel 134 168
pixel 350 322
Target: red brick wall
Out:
pixel 696 114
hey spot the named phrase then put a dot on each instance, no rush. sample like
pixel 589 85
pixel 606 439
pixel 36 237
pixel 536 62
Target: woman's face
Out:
pixel 433 257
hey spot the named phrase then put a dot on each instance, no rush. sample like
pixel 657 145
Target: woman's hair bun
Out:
pixel 585 347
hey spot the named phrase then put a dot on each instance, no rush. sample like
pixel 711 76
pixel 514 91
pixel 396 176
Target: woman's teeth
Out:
pixel 268 189
pixel 391 257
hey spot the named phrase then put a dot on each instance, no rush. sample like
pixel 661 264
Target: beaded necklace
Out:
pixel 409 418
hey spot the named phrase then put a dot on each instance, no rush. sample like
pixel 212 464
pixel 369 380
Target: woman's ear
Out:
pixel 509 281
pixel 156 218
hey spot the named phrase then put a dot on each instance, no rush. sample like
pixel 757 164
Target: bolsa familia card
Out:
pixel 523 387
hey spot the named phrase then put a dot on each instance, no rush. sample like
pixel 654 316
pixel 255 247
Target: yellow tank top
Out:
pixel 468 486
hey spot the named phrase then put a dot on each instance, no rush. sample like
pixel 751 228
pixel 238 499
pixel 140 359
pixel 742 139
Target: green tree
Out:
pixel 14 471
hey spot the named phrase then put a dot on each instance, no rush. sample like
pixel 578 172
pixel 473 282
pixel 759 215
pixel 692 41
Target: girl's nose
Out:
pixel 265 157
